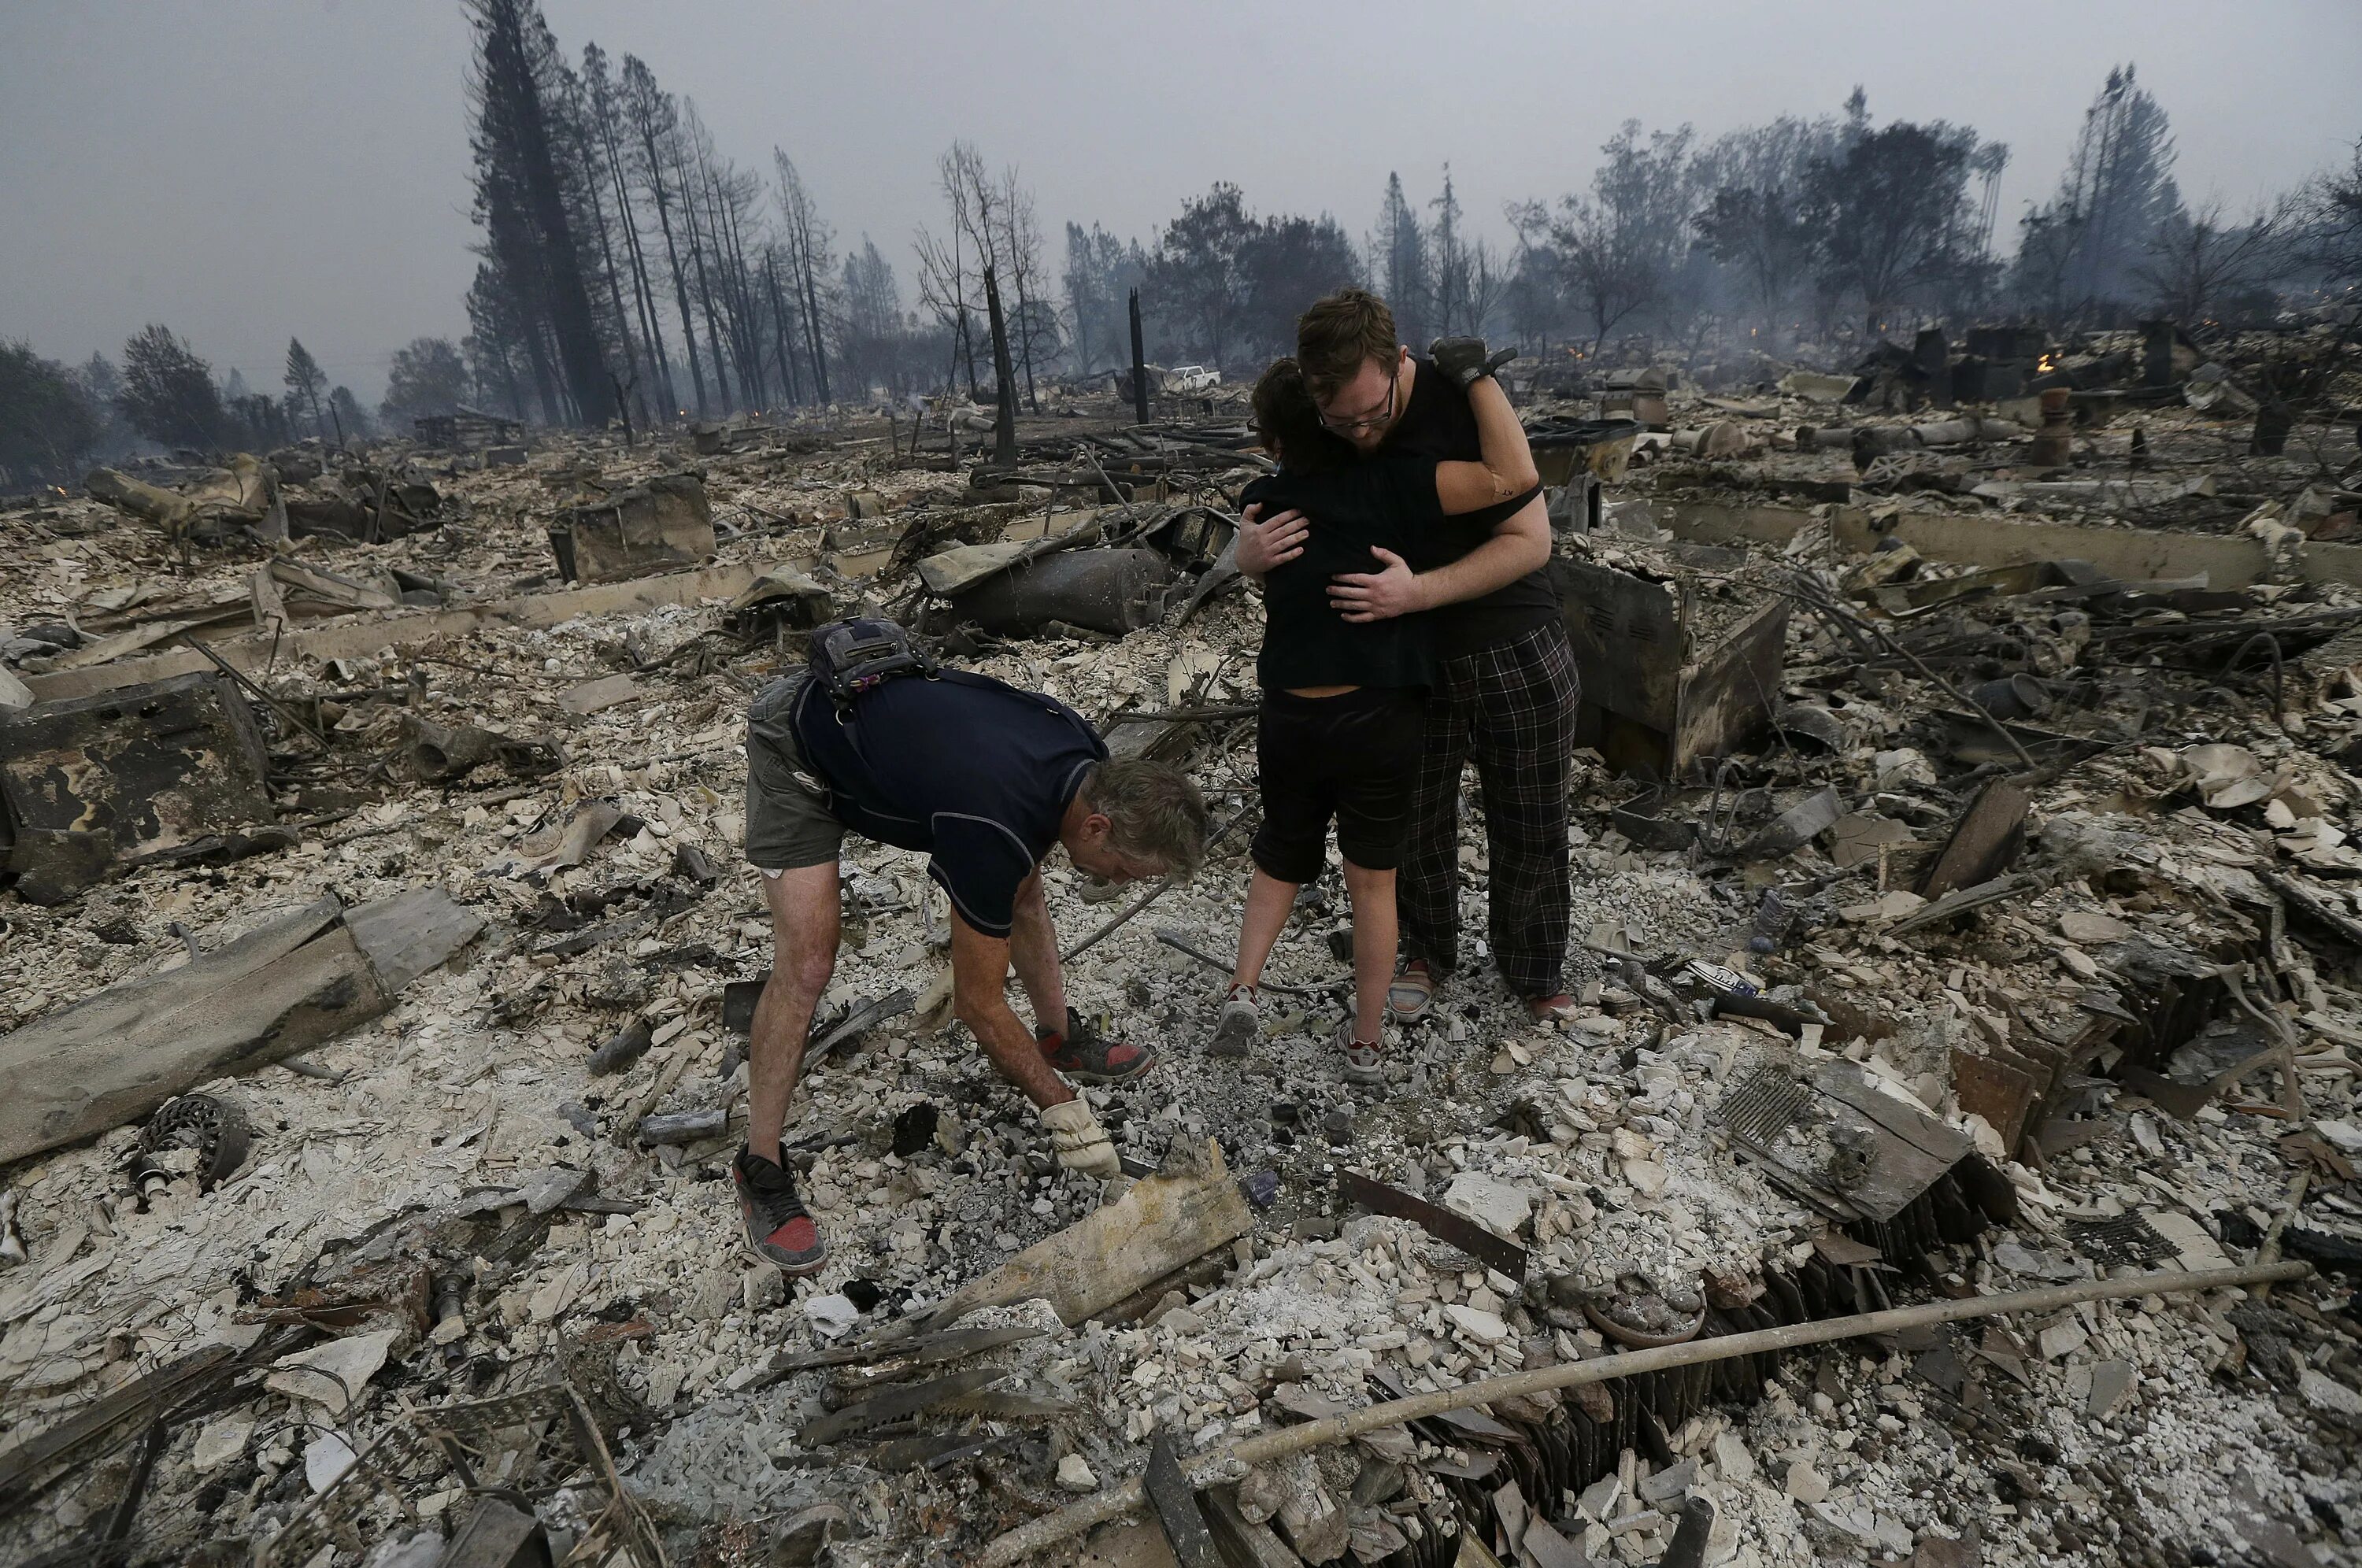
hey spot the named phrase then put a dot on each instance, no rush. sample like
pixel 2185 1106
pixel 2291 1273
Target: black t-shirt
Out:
pixel 1388 503
pixel 1437 423
pixel 977 773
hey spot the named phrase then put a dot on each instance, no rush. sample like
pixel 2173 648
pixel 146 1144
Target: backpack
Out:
pixel 849 658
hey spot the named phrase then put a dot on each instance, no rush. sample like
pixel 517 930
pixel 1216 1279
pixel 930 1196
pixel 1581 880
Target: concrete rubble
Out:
pixel 1966 901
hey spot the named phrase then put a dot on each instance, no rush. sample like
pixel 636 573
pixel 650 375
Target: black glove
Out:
pixel 1464 361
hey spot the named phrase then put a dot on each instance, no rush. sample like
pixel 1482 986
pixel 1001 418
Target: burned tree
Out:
pixel 1614 253
pixel 2082 250
pixel 1892 213
pixel 1398 261
pixel 1756 221
pixel 871 338
pixel 428 376
pixel 606 107
pixel 687 149
pixel 521 199
pixel 655 121
pixel 809 262
pixel 47 426
pixel 943 268
pixel 1100 270
pixel 2197 265
pixel 1468 279
pixel 2330 239
pixel 1193 279
pixel 307 386
pixel 168 393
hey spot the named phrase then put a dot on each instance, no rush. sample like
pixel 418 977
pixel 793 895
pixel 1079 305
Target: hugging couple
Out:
pixel 1410 628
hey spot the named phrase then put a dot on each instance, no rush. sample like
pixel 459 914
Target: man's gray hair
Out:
pixel 1155 813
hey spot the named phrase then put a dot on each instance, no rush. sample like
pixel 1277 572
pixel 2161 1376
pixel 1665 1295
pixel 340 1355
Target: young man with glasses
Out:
pixel 1506 690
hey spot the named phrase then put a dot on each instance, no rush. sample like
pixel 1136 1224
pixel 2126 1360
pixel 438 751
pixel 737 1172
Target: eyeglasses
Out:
pixel 1376 419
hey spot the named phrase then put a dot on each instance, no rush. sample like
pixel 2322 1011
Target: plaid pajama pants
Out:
pixel 1511 708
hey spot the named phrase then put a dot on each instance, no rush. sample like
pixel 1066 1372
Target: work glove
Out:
pixel 1464 361
pixel 1079 1141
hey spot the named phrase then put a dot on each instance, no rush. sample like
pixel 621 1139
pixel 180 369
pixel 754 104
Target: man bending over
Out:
pixel 987 779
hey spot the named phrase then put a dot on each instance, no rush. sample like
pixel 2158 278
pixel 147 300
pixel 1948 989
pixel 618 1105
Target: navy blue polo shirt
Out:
pixel 975 773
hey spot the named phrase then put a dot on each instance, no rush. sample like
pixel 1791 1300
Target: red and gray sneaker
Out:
pixel 1081 1053
pixel 779 1228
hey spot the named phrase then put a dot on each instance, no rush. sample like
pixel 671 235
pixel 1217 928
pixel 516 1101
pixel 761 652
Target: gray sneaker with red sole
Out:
pixel 779 1228
pixel 1081 1053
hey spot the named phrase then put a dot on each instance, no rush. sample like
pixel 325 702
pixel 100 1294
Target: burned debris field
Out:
pixel 1934 1138
pixel 380 949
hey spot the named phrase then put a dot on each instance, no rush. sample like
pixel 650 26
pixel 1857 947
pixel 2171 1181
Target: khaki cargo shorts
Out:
pixel 787 821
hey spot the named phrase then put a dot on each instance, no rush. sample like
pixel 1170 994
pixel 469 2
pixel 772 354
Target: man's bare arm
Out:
pixel 1034 949
pixel 1506 468
pixel 1520 544
pixel 981 1001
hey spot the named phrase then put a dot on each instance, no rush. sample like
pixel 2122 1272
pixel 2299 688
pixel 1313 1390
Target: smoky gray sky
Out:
pixel 242 170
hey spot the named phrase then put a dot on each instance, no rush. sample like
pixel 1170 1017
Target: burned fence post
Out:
pixel 1138 365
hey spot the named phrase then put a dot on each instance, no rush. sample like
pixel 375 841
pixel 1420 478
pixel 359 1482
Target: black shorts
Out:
pixel 1352 758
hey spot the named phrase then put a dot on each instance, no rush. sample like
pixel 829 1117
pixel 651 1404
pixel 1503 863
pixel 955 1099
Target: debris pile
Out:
pixel 1965 904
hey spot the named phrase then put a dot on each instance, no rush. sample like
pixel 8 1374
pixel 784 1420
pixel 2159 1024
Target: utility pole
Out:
pixel 1004 414
pixel 1138 364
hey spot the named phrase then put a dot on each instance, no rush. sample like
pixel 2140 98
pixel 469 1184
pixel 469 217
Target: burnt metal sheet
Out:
pixel 1656 698
pixel 1986 842
pixel 665 525
pixel 896 1403
pixel 1999 1091
pixel 1442 1224
pixel 1176 1507
pixel 1627 634
pixel 1730 688
pixel 499 1535
pixel 1840 1141
pixel 149 766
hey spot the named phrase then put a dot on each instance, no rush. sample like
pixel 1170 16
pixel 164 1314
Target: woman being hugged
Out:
pixel 1344 701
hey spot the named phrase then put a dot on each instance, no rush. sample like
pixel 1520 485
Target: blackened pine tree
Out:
pixel 307 386
pixel 168 394
pixel 521 198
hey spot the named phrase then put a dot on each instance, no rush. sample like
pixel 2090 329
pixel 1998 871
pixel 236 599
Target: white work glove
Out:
pixel 1079 1141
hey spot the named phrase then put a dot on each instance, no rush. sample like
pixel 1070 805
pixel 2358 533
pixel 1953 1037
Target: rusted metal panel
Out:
pixel 1731 686
pixel 146 767
pixel 1986 842
pixel 662 525
pixel 1653 701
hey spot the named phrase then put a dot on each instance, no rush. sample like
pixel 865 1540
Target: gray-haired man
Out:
pixel 986 778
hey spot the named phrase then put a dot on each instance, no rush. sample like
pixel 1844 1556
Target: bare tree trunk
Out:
pixel 780 325
pixel 1004 417
pixel 615 283
pixel 704 283
pixel 679 282
pixel 643 294
pixel 739 296
pixel 812 311
pixel 1138 364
